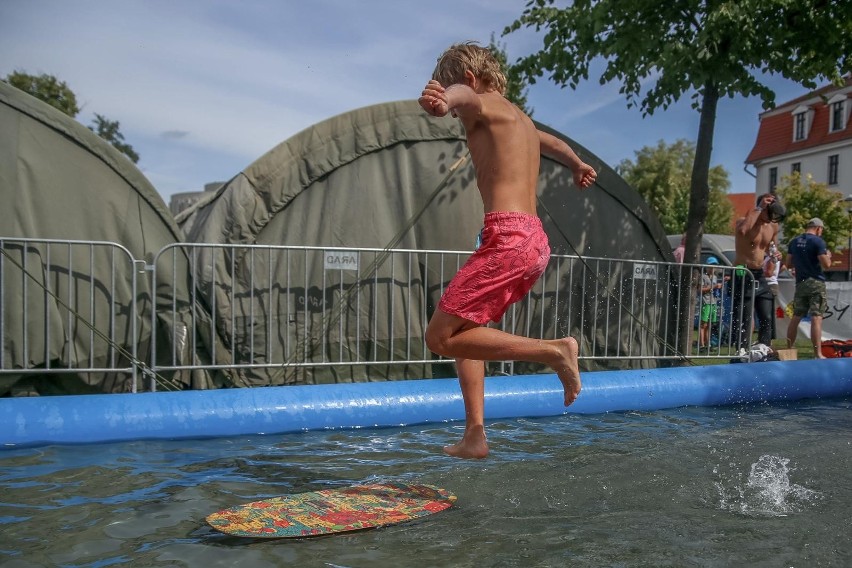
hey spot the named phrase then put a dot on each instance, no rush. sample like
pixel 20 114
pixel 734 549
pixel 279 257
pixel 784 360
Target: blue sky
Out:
pixel 203 88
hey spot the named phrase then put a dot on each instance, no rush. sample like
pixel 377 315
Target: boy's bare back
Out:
pixel 506 153
pixel 503 142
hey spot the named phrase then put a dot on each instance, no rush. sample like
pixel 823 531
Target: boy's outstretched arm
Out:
pixel 556 149
pixel 463 101
pixel 459 99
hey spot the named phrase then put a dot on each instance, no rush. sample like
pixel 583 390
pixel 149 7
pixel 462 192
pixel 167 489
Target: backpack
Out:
pixel 836 348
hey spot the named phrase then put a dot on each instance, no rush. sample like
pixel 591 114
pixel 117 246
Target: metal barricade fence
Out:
pixel 723 312
pixel 280 307
pixel 264 314
pixel 68 307
pixel 281 310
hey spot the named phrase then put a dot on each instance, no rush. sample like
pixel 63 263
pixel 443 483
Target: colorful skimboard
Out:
pixel 332 510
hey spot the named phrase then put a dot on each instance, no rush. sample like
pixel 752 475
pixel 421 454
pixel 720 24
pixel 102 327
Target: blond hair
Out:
pixel 470 56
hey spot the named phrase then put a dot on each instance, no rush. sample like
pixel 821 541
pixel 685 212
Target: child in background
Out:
pixel 709 308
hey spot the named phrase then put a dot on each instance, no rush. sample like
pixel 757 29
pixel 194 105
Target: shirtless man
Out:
pixel 506 149
pixel 752 237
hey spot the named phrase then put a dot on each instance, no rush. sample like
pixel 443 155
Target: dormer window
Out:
pixel 838 110
pixel 837 116
pixel 802 117
pixel 800 126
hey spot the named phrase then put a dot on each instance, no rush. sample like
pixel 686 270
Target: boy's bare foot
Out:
pixel 472 445
pixel 567 368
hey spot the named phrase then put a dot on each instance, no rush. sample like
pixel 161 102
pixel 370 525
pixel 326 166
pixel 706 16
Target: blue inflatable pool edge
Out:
pixel 274 410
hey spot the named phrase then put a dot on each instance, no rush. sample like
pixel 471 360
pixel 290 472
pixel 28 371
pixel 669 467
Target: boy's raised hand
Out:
pixel 584 176
pixel 433 99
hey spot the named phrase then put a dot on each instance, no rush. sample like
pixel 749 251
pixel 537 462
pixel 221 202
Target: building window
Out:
pixel 837 116
pixel 800 126
pixel 833 163
pixel 838 112
pixel 796 168
pixel 773 178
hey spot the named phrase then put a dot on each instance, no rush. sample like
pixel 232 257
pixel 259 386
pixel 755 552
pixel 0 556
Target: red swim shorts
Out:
pixel 513 255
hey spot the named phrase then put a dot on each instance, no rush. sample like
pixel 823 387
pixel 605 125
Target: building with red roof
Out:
pixel 811 134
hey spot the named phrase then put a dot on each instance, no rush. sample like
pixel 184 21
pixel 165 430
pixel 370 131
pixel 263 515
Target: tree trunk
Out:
pixel 699 198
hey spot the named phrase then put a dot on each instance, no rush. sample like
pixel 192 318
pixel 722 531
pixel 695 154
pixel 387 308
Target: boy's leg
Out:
pixel 452 336
pixel 472 381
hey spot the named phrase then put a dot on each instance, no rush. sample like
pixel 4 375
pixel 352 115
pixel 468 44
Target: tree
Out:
pixel 47 88
pixel 806 199
pixel 661 175
pixel 59 95
pixel 705 48
pixel 516 84
pixel 109 131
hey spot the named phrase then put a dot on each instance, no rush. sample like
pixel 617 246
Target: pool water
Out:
pixel 736 486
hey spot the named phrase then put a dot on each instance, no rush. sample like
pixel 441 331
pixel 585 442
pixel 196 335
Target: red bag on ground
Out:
pixel 837 348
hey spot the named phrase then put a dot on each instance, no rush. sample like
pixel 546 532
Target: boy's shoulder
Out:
pixel 496 110
pixel 497 101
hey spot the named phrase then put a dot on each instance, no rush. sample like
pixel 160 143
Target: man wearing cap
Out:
pixel 810 257
pixel 749 287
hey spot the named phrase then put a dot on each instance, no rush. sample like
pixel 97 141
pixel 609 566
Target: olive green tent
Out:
pixel 68 306
pixel 378 176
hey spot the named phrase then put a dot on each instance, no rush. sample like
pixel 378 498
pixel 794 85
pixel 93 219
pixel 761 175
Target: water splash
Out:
pixel 767 491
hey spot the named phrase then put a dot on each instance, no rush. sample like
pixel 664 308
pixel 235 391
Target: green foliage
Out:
pixel 516 84
pixel 48 89
pixel 661 174
pixel 660 51
pixel 60 96
pixel 109 131
pixel 806 199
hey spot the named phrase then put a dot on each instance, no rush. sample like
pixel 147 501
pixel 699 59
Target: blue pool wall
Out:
pixel 275 410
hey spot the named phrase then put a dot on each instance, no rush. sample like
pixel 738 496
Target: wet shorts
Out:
pixel 810 298
pixel 513 255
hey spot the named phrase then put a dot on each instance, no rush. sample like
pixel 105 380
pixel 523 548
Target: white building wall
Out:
pixel 814 161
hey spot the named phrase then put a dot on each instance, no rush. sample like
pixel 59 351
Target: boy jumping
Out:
pixel 506 150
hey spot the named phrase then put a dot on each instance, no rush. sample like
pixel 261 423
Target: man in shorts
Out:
pixel 810 257
pixel 506 148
